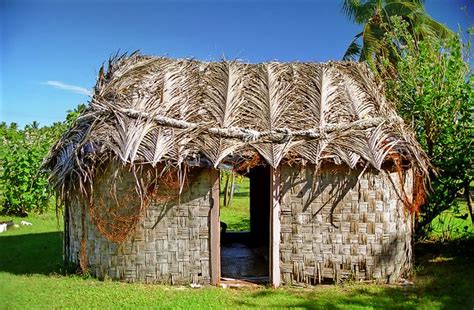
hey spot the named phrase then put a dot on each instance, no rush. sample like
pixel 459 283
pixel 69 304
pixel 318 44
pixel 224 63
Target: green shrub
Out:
pixel 23 188
pixel 433 88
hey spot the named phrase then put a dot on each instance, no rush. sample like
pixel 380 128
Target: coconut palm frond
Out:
pixel 354 49
pixel 376 17
pixel 380 143
pixel 222 100
pixel 335 107
pixel 312 151
pixel 359 11
pixel 148 110
pixel 307 93
pixel 273 90
pixel 348 146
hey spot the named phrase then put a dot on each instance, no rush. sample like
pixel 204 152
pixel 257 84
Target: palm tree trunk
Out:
pixel 467 195
pixel 226 190
pixel 232 186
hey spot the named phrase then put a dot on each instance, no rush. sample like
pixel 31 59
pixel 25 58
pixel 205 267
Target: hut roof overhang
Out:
pixel 147 110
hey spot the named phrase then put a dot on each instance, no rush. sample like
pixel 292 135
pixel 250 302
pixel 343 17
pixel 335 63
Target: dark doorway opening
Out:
pixel 245 254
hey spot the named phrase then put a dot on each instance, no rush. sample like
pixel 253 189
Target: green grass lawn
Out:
pixel 31 276
pixel 237 216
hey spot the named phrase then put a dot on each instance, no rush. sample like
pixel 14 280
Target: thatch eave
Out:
pixel 154 110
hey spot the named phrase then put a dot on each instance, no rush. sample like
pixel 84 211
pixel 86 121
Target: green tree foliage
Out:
pixel 434 92
pixel 375 18
pixel 23 187
pixel 73 114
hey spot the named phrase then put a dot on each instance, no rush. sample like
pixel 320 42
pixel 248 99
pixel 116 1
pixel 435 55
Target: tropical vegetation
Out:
pixel 375 18
pixel 433 90
pixel 24 187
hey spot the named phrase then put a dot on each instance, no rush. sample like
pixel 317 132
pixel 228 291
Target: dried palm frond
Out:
pixel 151 110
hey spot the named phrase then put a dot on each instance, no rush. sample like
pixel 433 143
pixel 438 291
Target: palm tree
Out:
pixel 73 114
pixel 375 17
pixel 34 125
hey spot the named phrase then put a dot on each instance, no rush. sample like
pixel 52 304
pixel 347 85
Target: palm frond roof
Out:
pixel 150 110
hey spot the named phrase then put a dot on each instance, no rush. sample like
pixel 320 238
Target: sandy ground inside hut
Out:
pixel 241 262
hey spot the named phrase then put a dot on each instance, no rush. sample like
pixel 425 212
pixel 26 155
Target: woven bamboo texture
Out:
pixel 169 245
pixel 344 225
pixel 336 224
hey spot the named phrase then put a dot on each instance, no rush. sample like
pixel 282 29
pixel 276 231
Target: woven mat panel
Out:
pixel 342 225
pixel 170 244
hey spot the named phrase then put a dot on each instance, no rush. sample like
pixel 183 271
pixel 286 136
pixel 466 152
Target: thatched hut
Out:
pixel 334 173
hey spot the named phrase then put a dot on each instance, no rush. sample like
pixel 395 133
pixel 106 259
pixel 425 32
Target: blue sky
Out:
pixel 50 51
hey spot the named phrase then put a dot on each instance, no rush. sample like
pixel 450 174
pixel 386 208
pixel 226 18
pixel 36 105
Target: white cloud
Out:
pixel 67 87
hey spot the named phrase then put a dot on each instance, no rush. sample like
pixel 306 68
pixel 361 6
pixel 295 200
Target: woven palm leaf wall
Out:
pixel 348 224
pixel 169 245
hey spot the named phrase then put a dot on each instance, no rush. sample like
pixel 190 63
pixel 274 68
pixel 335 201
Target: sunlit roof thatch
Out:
pixel 149 110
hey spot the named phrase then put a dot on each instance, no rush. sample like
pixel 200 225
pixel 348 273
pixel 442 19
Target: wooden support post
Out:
pixel 214 230
pixel 67 236
pixel 275 226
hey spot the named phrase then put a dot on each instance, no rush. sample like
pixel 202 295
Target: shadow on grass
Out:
pixel 242 225
pixel 387 298
pixel 31 253
pixel 241 194
pixel 444 278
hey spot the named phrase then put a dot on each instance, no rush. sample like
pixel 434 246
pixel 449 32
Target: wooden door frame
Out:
pixel 274 248
pixel 214 230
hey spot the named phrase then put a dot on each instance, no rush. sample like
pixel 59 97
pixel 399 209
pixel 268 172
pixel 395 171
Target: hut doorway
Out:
pixel 245 254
